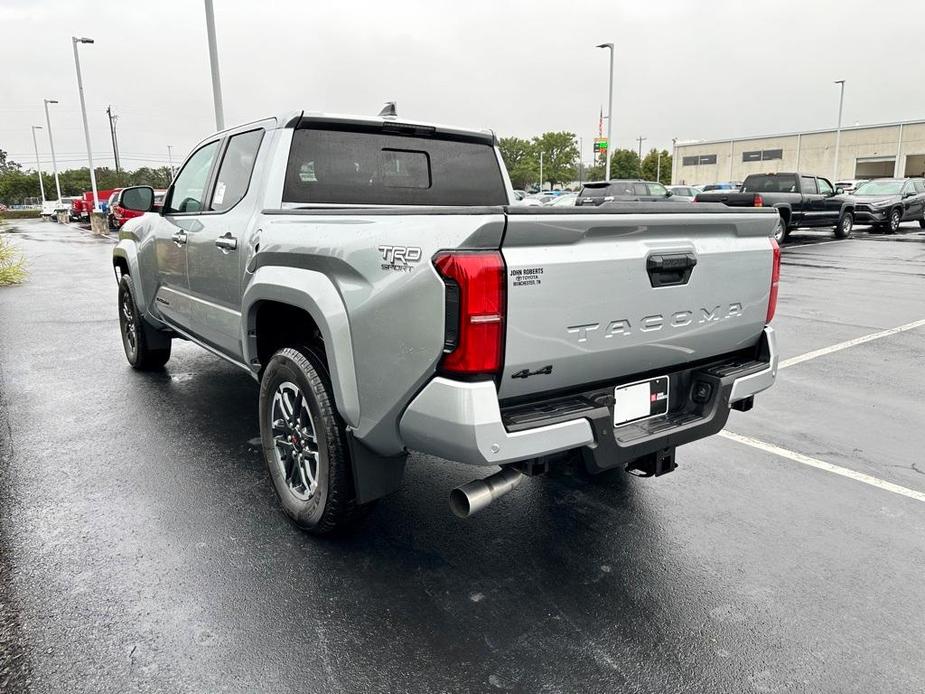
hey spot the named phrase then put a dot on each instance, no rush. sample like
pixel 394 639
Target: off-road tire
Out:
pixel 845 226
pixel 332 507
pixel 138 352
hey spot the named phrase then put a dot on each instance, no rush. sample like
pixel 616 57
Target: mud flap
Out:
pixel 374 475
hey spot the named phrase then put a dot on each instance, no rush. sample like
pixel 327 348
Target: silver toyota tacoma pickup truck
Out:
pixel 373 276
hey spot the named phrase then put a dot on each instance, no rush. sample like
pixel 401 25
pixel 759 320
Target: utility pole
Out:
pixel 170 159
pixel 841 103
pixel 640 139
pixel 112 131
pixel 658 167
pixel 213 62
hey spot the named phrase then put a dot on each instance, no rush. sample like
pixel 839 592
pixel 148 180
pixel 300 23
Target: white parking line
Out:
pixel 849 343
pixel 822 465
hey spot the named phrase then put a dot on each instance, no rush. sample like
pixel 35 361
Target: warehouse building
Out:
pixel 865 151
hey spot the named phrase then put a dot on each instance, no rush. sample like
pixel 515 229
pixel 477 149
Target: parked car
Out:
pixel 803 200
pixel 479 332
pixel 888 202
pixel 564 200
pixel 622 190
pixel 721 186
pixel 687 193
pixel 851 184
pixel 520 194
pixel 119 214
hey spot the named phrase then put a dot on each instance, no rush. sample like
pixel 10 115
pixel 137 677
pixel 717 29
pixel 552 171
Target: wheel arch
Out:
pixel 785 212
pixel 276 295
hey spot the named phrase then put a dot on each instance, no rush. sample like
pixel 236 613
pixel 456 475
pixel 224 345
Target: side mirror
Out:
pixel 668 193
pixel 839 191
pixel 138 198
pixel 908 194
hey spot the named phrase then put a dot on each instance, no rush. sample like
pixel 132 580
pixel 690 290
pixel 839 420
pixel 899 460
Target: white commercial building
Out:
pixel 864 151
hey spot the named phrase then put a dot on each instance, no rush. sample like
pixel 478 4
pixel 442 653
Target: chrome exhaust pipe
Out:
pixel 477 494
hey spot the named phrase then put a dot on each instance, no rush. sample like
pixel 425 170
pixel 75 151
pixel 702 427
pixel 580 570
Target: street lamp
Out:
pixel 38 164
pixel 51 143
pixel 83 110
pixel 609 109
pixel 541 171
pixel 213 63
pixel 841 103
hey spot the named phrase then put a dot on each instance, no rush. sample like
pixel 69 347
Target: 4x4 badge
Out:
pixel 526 373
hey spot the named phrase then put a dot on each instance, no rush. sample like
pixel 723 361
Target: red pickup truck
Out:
pixel 83 206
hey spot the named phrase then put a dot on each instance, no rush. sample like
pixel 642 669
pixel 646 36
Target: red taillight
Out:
pixel 758 201
pixel 775 281
pixel 475 299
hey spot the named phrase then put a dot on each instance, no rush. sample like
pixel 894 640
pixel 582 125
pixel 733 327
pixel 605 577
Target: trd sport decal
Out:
pixel 400 258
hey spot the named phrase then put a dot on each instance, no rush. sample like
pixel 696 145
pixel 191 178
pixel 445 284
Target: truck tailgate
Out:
pixel 582 307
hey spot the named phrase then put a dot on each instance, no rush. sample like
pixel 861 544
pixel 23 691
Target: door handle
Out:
pixel 179 238
pixel 227 242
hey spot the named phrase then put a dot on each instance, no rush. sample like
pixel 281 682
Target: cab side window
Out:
pixel 189 187
pixel 809 185
pixel 234 173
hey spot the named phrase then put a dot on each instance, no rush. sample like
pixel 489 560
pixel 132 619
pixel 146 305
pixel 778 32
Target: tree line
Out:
pixel 17 184
pixel 561 162
pixel 521 157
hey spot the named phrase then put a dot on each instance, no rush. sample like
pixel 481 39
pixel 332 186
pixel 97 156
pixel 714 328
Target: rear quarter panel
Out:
pixel 395 309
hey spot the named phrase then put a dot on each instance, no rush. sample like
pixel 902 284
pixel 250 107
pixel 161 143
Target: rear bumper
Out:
pixel 465 422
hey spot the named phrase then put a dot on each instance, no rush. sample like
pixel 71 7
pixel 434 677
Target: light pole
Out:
pixel 609 110
pixel 38 164
pixel 170 158
pixel 83 111
pixel 580 164
pixel 51 143
pixel 541 172
pixel 640 139
pixel 658 167
pixel 213 62
pixel 674 156
pixel 841 103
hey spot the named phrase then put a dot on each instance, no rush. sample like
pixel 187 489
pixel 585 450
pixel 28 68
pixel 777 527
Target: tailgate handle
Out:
pixel 670 269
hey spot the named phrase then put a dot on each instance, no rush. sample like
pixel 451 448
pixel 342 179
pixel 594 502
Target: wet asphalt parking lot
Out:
pixel 142 549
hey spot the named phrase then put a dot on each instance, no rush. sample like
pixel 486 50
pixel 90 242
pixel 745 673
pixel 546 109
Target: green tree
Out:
pixel 651 170
pixel 7 164
pixel 624 163
pixel 560 156
pixel 595 173
pixel 520 160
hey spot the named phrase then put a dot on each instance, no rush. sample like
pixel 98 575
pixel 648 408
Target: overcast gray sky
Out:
pixel 687 69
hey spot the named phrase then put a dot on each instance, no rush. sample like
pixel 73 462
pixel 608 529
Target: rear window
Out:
pixel 375 168
pixel 770 184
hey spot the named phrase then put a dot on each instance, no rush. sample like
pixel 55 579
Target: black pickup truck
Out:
pixel 802 200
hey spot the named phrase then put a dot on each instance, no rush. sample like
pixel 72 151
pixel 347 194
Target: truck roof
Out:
pixel 296 119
